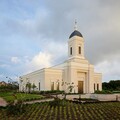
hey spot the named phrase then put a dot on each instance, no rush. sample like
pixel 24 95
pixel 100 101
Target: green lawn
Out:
pixel 10 96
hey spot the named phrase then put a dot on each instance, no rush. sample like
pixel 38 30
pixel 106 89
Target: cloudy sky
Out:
pixel 34 34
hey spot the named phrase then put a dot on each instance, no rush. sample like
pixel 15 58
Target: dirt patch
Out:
pixel 2 102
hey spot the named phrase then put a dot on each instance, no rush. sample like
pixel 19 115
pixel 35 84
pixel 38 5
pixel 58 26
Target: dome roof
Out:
pixel 75 33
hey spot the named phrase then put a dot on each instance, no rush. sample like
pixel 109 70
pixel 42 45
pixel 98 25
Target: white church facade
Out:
pixel 75 71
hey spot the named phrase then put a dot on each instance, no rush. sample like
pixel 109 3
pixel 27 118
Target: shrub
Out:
pixel 9 87
pixel 57 102
pixel 51 92
pixel 116 91
pixel 15 108
pixel 103 92
pixel 35 92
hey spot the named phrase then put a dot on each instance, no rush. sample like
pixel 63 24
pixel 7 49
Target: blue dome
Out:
pixel 75 33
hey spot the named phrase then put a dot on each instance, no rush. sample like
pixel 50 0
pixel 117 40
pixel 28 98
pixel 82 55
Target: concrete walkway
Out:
pixel 39 101
pixel 2 102
pixel 100 97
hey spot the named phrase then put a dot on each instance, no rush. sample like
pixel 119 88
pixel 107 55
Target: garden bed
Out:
pixel 84 100
pixel 68 111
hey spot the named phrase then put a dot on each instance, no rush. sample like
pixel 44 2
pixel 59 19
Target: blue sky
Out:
pixel 34 34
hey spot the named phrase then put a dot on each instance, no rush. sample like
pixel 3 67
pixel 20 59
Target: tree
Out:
pixel 12 85
pixel 33 86
pixel 68 87
pixel 111 85
pixel 28 86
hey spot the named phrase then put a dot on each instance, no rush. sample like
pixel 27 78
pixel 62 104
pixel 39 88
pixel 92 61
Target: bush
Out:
pixel 113 85
pixel 116 91
pixel 35 92
pixel 51 92
pixel 57 102
pixel 8 88
pixel 46 92
pixel 103 92
pixel 15 109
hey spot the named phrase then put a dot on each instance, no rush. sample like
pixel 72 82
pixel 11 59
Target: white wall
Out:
pixel 53 75
pixel 98 80
pixel 34 77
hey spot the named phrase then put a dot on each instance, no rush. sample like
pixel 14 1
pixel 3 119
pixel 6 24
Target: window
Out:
pixel 39 86
pixel 94 86
pixel 58 86
pixel 70 50
pixel 97 86
pixel 79 50
pixel 52 86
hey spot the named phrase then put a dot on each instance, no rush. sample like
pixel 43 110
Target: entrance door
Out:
pixel 80 87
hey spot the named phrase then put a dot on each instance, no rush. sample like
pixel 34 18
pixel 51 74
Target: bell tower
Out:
pixel 76 44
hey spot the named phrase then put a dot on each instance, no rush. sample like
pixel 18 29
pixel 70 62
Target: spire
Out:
pixel 75 32
pixel 75 27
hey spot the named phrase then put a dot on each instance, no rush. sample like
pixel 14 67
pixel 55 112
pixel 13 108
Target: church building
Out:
pixel 76 71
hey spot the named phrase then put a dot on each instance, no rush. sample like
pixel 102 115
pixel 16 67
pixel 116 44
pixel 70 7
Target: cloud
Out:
pixel 95 22
pixel 110 69
pixel 58 51
pixel 25 64
pixel 39 61
pixel 15 60
pixel 4 65
pixel 44 26
pixel 42 59
pixel 1 77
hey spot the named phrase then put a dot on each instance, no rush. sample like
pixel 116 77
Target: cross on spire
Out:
pixel 75 27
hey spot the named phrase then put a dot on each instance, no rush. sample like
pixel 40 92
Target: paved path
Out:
pixel 2 102
pixel 39 101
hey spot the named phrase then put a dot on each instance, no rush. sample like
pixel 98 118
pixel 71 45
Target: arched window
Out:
pixel 39 86
pixel 79 50
pixel 97 86
pixel 94 86
pixel 70 50
pixel 58 86
pixel 52 86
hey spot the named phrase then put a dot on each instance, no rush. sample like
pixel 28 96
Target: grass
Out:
pixel 10 96
pixel 70 111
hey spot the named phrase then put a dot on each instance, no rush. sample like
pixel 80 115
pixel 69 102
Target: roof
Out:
pixel 75 33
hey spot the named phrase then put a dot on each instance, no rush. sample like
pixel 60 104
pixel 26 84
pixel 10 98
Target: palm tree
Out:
pixel 28 86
